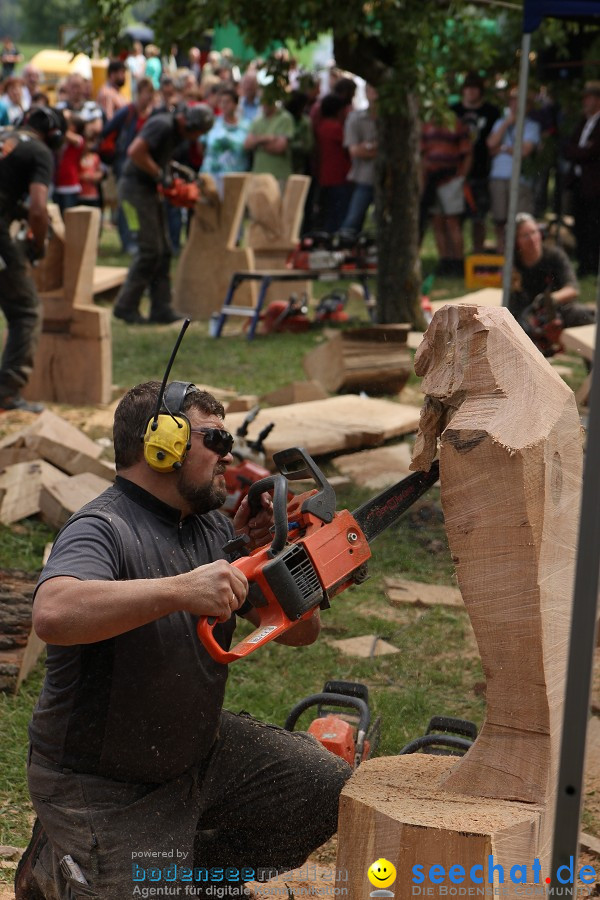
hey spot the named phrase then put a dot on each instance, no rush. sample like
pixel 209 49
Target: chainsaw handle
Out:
pixel 356 703
pixel 296 464
pixel 278 484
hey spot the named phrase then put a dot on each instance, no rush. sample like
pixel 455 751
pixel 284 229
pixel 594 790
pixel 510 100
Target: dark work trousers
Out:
pixel 21 306
pixel 150 266
pixel 586 210
pixel 264 800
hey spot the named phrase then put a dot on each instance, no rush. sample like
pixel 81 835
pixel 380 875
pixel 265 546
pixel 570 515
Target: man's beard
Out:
pixel 202 497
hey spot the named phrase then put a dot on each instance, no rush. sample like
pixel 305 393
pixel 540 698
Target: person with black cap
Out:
pixel 583 151
pixel 479 116
pixel 26 170
pixel 147 167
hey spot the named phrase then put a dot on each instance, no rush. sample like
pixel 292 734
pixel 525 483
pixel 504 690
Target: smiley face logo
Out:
pixel 382 873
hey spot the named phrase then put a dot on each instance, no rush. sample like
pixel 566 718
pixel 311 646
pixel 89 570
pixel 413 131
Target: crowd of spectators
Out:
pixel 324 131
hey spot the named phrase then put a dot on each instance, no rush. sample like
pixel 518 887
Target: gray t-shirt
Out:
pixel 551 272
pixel 145 705
pixel 162 136
pixel 360 126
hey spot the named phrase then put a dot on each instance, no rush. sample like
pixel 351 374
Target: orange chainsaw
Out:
pixel 184 187
pixel 316 552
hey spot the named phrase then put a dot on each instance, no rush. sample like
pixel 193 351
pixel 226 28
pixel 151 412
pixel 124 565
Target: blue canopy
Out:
pixel 535 10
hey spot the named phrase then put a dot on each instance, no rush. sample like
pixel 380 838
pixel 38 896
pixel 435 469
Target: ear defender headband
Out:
pixel 168 433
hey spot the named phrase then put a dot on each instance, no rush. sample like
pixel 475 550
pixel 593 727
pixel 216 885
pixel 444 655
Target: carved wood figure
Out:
pixel 510 473
pixel 274 227
pixel 211 254
pixel 73 362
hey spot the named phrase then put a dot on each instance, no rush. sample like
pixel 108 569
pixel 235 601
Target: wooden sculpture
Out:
pixel 211 254
pixel 73 362
pixel 510 472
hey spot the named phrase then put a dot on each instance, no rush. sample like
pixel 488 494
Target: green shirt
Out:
pixel 279 124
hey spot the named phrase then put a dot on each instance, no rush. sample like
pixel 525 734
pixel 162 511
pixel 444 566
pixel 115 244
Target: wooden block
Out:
pixel 82 228
pixel 332 425
pixel 20 486
pixel 60 500
pixel 296 392
pixel 400 591
pixel 365 646
pixel 378 468
pixel 397 808
pixel 374 359
pixel 54 439
pixel 12 455
pixel 108 278
pixel 511 471
pixel 71 369
pixel 48 273
pixel 241 403
pixel 33 650
pixel 580 340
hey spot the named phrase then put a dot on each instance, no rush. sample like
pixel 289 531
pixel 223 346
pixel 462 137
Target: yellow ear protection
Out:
pixel 167 436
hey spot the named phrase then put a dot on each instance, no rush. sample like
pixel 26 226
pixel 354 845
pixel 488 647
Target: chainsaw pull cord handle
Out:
pixel 356 703
pixel 296 464
pixel 278 484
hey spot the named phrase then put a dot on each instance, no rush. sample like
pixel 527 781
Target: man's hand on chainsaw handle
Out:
pixel 257 527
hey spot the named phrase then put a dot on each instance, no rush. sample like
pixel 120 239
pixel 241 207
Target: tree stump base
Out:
pixel 396 808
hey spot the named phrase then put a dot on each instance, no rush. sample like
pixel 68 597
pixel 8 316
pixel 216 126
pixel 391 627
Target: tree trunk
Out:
pixel 397 216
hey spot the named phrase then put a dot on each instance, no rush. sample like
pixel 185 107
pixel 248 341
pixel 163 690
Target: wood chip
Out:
pixel 365 646
pixel 400 591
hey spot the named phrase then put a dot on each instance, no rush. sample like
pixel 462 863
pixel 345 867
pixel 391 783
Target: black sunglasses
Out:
pixel 216 439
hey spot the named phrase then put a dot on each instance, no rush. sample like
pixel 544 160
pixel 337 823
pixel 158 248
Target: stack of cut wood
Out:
pixel 375 359
pixel 50 468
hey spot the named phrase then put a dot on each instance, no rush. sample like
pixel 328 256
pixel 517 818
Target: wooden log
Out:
pixel 211 254
pixel 374 359
pixel 511 465
pixel 58 501
pixel 17 657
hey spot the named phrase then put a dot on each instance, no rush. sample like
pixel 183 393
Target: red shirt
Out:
pixel 89 165
pixel 67 175
pixel 334 160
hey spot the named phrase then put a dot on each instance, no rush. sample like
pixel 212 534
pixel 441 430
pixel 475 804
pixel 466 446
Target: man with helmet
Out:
pixel 147 167
pixel 26 170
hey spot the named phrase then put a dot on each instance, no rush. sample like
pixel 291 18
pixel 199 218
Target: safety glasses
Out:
pixel 216 439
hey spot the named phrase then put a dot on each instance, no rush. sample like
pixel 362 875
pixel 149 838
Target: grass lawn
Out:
pixel 437 669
